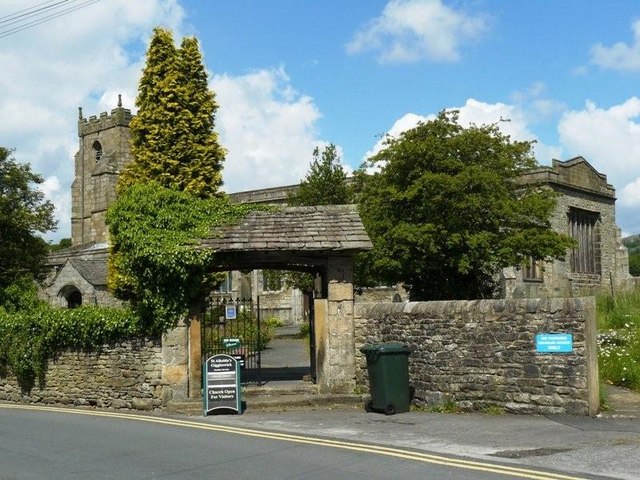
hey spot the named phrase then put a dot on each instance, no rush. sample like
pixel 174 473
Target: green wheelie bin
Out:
pixel 388 369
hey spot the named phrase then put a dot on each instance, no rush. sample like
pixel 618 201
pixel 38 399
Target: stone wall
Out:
pixel 480 354
pixel 285 305
pixel 123 376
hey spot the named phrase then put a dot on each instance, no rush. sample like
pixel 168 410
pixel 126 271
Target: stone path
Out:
pixel 286 351
pixel 286 357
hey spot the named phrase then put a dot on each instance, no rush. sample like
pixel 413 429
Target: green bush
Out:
pixel 634 264
pixel 29 338
pixel 274 322
pixel 22 294
pixel 619 339
pixel 244 327
pixel 305 329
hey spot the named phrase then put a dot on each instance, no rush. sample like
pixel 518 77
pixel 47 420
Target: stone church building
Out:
pixel 585 210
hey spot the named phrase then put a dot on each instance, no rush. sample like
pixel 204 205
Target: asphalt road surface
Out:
pixel 38 443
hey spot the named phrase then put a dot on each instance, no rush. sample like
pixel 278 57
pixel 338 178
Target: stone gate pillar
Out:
pixel 335 338
pixel 175 362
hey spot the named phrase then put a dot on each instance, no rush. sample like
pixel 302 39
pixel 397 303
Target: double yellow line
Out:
pixel 515 472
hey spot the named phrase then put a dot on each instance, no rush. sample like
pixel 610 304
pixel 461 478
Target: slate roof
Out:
pixel 93 271
pixel 336 228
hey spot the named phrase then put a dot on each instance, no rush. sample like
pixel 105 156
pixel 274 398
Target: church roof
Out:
pixel 93 271
pixel 336 228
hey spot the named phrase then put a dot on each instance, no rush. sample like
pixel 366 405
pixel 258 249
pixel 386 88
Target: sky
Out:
pixel 290 75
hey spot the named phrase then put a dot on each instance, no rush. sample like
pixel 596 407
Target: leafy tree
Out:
pixel 634 264
pixel 23 214
pixel 632 243
pixel 61 245
pixel 153 262
pixel 173 141
pixel 446 212
pixel 325 183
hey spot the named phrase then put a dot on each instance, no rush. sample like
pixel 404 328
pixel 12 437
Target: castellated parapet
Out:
pixel 104 150
pixel 119 117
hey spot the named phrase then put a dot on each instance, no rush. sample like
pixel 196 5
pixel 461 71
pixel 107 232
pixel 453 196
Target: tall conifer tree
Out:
pixel 173 141
pixel 198 144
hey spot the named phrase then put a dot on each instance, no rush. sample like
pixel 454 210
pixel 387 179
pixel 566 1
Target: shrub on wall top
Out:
pixel 29 338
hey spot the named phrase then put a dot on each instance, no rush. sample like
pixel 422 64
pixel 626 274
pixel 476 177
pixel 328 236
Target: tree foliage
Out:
pixel 325 183
pixel 445 210
pixel 24 213
pixel 61 245
pixel 153 262
pixel 173 141
pixel 633 246
pixel 632 243
pixel 634 264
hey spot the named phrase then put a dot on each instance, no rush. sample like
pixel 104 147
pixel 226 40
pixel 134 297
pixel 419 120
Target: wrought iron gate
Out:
pixel 233 327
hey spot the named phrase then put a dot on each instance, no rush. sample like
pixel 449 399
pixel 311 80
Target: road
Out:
pixel 40 443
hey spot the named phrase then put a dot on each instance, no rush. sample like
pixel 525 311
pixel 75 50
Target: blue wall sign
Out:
pixel 230 312
pixel 554 342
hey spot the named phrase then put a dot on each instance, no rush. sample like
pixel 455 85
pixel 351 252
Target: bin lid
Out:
pixel 391 347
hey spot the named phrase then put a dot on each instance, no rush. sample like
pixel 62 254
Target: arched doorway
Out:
pixel 70 296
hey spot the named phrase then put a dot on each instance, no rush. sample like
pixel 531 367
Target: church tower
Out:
pixel 103 151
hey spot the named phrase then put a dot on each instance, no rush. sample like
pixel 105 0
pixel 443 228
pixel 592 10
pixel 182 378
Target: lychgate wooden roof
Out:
pixel 291 236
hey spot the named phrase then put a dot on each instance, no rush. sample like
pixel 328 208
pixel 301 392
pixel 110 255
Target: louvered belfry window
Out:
pixel 584 227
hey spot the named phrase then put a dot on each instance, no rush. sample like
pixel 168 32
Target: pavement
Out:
pixel 605 446
pixel 621 403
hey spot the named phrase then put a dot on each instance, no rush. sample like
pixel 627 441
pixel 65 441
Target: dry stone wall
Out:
pixel 480 354
pixel 123 376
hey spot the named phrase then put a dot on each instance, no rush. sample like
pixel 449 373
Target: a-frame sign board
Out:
pixel 221 385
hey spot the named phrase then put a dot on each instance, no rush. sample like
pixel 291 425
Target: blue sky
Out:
pixel 293 74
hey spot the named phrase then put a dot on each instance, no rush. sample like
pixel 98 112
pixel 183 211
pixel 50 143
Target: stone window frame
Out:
pixel 98 150
pixel 533 270
pixel 584 226
pixel 226 286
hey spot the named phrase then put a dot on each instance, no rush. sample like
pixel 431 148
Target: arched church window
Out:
pixel 97 150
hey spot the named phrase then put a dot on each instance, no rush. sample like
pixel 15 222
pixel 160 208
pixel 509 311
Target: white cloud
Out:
pixel 630 193
pixel 89 57
pixel 619 56
pixel 404 123
pixel 268 128
pixel 83 58
pixel 510 119
pixel 535 104
pixel 414 30
pixel 609 139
